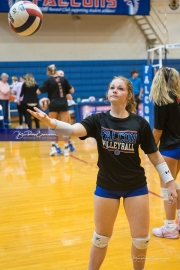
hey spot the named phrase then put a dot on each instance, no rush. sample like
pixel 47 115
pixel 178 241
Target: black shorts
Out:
pixel 59 105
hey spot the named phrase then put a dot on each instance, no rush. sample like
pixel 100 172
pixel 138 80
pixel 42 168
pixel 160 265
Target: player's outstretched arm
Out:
pixel 66 129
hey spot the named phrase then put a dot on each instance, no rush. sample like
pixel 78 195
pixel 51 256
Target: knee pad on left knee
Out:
pixel 141 242
pixel 100 241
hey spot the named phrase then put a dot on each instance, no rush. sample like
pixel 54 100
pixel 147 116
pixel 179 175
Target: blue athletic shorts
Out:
pixel 101 192
pixel 172 153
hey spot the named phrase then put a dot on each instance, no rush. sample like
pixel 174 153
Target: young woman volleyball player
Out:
pixel 119 133
pixel 57 88
pixel 29 98
pixel 165 93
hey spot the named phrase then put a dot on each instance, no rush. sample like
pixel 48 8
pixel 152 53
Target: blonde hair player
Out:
pixel 165 93
pixel 119 133
pixel 29 98
pixel 57 88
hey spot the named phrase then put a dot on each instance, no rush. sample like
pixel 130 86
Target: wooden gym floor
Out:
pixel 46 212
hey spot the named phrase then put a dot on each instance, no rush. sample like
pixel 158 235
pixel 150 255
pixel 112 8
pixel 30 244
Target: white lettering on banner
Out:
pixel 146 69
pixel 146 91
pixel 146 80
pixel 148 106
pixel 147 118
pixel 146 109
pixel 146 100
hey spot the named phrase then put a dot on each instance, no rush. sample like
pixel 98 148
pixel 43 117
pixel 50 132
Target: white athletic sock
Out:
pixel 178 213
pixel 170 223
pixel 66 146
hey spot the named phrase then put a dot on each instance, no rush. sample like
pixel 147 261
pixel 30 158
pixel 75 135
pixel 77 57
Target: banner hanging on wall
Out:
pixel 148 107
pixel 103 7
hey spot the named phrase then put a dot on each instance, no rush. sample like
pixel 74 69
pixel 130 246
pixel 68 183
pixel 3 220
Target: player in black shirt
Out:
pixel 119 133
pixel 57 87
pixel 165 93
pixel 30 99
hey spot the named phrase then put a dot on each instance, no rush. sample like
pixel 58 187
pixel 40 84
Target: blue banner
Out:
pixel 148 107
pixel 103 7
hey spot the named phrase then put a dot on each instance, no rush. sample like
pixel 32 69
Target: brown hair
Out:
pixel 51 69
pixel 131 104
pixel 166 81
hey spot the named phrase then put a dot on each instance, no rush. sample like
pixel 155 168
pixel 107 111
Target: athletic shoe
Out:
pixel 53 151
pixel 178 224
pixel 19 127
pixel 58 150
pixel 71 147
pixel 66 151
pixel 166 232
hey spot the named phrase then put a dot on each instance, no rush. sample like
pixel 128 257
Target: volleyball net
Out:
pixel 157 54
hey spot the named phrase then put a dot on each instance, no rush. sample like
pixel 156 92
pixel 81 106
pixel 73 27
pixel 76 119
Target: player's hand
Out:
pixel 172 194
pixel 43 117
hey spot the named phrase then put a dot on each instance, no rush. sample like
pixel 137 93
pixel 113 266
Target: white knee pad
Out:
pixel 100 241
pixel 164 194
pixel 141 242
pixel 177 186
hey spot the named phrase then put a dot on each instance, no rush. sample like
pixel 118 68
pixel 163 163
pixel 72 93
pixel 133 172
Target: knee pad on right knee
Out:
pixel 100 241
pixel 141 242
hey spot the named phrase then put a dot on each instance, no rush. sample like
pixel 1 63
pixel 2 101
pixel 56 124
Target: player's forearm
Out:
pixel 157 135
pixel 64 128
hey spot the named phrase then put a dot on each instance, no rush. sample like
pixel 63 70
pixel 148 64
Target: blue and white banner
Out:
pixel 148 107
pixel 104 7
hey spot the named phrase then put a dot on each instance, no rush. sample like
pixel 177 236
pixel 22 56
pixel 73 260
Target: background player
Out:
pixel 57 88
pixel 165 93
pixel 137 87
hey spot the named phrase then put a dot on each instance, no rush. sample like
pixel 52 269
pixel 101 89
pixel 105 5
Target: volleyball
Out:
pixel 44 103
pixel 25 18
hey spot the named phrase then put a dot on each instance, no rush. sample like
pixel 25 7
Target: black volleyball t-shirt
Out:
pixel 167 118
pixel 118 142
pixel 56 87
